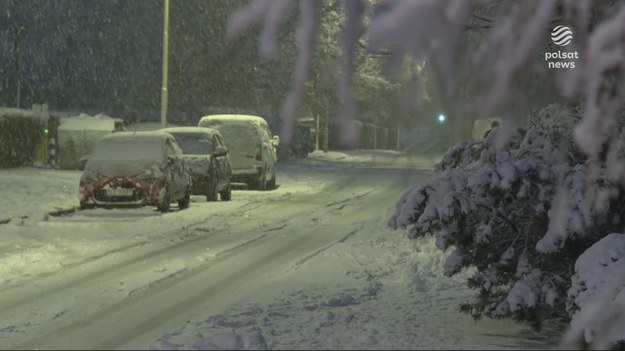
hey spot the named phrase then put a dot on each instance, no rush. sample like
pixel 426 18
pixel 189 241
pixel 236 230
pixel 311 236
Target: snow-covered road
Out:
pixel 308 265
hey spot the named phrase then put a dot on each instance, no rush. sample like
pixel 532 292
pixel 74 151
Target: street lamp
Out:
pixel 165 64
pixel 441 118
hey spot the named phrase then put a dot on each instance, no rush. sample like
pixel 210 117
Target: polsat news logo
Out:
pixel 561 36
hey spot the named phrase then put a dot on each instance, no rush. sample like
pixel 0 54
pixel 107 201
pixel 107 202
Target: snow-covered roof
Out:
pixel 154 135
pixel 145 126
pixel 87 122
pixel 12 111
pixel 199 130
pixel 234 117
pixel 16 112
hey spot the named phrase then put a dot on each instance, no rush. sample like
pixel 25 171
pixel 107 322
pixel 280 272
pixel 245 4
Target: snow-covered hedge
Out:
pixel 516 209
pixel 20 136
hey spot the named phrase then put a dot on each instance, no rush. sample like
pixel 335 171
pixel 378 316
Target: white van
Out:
pixel 252 148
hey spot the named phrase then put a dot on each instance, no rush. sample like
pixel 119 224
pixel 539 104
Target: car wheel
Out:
pixel 184 203
pixel 86 206
pixel 164 206
pixel 226 195
pixel 261 182
pixel 211 194
pixel 272 182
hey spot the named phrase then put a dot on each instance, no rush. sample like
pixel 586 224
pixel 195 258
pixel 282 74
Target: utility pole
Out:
pixel 17 64
pixel 375 137
pixel 317 132
pixel 398 135
pixel 326 132
pixel 165 64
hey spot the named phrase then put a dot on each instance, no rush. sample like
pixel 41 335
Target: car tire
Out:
pixel 86 206
pixel 184 203
pixel 211 194
pixel 226 195
pixel 164 206
pixel 252 183
pixel 261 182
pixel 272 182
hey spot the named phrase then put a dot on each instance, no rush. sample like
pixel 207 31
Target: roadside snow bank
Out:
pixel 30 193
pixel 373 158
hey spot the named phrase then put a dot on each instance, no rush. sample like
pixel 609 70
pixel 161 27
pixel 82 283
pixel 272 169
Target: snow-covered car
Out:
pixel 136 168
pixel 252 148
pixel 207 157
pixel 303 142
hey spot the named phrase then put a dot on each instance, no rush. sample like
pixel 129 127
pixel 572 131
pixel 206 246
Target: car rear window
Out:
pixel 239 135
pixel 193 143
pixel 130 149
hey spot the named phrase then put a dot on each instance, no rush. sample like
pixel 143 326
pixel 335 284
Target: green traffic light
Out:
pixel 45 131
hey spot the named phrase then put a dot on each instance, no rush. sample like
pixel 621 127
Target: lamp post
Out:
pixel 165 64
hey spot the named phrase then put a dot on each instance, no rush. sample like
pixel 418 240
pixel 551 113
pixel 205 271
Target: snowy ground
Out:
pixel 308 265
pixel 373 159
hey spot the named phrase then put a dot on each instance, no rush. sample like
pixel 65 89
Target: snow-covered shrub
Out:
pixel 596 299
pixel 517 214
pixel 20 136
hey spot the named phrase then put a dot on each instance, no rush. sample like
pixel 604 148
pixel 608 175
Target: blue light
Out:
pixel 441 118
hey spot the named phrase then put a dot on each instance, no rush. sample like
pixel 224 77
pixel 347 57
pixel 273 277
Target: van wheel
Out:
pixel 272 183
pixel 226 195
pixel 261 182
pixel 184 203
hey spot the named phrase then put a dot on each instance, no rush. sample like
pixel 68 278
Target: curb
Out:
pixel 62 212
pixel 56 213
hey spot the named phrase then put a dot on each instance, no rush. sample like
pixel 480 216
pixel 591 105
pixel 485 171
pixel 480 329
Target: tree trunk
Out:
pixel 326 132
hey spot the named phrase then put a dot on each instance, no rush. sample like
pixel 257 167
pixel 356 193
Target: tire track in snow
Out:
pixel 75 218
pixel 85 275
pixel 186 295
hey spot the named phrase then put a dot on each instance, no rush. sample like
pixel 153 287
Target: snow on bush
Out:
pixel 21 134
pixel 518 214
pixel 596 298
pixel 522 211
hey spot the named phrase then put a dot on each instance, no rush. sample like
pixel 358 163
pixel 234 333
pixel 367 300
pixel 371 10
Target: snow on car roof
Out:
pixel 234 117
pixel 149 135
pixel 202 130
pixel 130 146
pixel 147 126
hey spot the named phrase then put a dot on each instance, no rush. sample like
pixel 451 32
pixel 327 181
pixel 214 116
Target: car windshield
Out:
pixel 194 143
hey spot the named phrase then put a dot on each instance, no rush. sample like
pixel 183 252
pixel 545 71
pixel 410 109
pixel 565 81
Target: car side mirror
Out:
pixel 275 140
pixel 220 151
